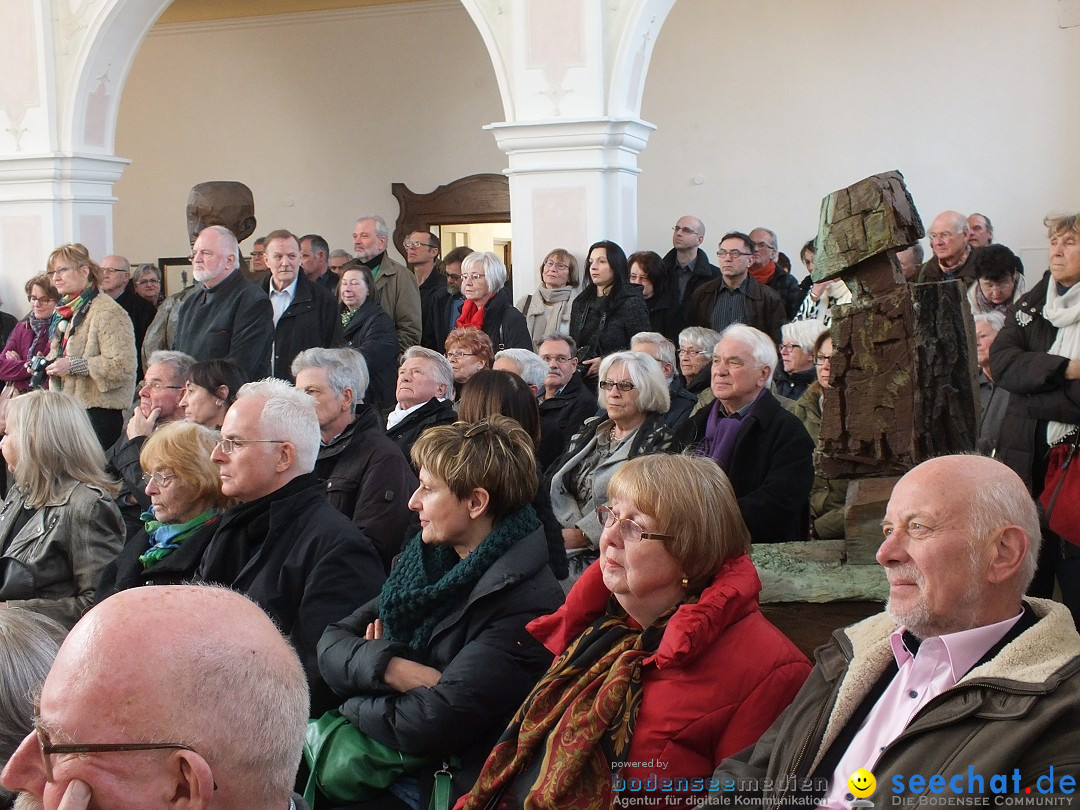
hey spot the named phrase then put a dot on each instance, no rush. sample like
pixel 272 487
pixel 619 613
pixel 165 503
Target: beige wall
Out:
pixel 763 106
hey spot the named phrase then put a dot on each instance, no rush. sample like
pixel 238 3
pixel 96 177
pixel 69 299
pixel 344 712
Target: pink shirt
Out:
pixel 940 662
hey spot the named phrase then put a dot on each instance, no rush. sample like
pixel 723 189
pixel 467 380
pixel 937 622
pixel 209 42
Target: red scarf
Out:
pixel 764 274
pixel 471 315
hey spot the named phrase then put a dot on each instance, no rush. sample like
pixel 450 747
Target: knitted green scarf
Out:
pixel 430 581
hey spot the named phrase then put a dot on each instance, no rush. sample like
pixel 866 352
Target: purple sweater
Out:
pixel 21 342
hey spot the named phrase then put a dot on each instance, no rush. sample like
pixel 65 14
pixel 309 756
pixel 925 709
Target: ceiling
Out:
pixel 182 11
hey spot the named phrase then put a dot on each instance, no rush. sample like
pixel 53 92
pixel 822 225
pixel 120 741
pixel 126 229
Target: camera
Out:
pixel 37 366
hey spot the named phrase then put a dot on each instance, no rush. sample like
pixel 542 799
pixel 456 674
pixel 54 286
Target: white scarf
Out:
pixel 1063 311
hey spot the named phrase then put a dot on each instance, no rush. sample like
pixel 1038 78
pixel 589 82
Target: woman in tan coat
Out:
pixel 92 343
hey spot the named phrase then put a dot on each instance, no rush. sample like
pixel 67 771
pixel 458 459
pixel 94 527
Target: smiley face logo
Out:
pixel 862 783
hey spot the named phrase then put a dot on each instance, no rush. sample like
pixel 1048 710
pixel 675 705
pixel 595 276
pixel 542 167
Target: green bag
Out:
pixel 346 765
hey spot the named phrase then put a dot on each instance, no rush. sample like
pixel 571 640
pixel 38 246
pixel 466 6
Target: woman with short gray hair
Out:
pixel 487 305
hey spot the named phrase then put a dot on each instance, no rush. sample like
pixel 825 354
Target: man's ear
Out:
pixel 1008 550
pixel 286 457
pixel 192 781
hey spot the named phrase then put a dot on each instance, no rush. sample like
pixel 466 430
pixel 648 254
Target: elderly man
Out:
pixel 737 297
pixel 662 350
pixel 764 449
pixel 686 259
pixel 259 271
pixel 159 404
pixel 226 317
pixel 396 289
pixel 315 261
pixel 993 399
pixel 367 478
pixel 170 697
pixel 116 281
pixel 954 257
pixel 525 364
pixel 284 545
pixel 962 686
pixel 305 312
pixel 980 230
pixel 763 267
pixel 425 390
pixel 566 402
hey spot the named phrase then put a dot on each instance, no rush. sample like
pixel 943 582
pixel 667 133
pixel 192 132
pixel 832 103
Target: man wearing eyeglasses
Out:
pixel 566 402
pixel 207 709
pixel 736 297
pixel 686 258
pixel 954 256
pixel 422 256
pixel 765 270
pixel 284 544
pixel 116 281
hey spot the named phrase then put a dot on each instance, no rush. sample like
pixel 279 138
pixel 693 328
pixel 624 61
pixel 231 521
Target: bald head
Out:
pixel 949 237
pixel 199 665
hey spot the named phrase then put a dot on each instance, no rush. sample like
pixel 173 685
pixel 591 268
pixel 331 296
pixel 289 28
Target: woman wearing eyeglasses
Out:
pixel 367 328
pixel 438 662
pixel 92 343
pixel 665 665
pixel 30 337
pixel 469 351
pixel 547 310
pixel 796 357
pixel 59 526
pixel 487 304
pixel 185 502
pixel 635 395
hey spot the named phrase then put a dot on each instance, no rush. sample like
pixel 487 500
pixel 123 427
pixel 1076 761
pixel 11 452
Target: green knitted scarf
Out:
pixel 430 581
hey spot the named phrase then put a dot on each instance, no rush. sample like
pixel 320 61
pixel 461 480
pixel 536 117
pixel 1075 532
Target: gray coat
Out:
pixel 53 563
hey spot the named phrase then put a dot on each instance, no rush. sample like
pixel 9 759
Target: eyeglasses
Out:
pixel 723 254
pixel 684 229
pixel 622 385
pixel 822 359
pixel 33 299
pixel 157 386
pixel 473 276
pixel 160 479
pixel 690 352
pixel 227 446
pixel 454 277
pixel 556 358
pixel 629 531
pixel 764 246
pixel 258 253
pixel 942 235
pixel 789 347
pixel 556 265
pixel 146 282
pixel 59 271
pixel 457 355
pixel 417 244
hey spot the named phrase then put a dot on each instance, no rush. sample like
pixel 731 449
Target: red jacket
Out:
pixel 721 675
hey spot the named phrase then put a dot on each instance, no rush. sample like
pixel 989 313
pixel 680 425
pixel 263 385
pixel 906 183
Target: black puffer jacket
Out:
pixel 604 325
pixel 488 661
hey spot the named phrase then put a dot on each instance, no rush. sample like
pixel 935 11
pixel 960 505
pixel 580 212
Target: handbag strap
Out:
pixel 440 793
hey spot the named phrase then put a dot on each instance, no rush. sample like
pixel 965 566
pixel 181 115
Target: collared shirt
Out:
pixel 280 299
pixel 397 416
pixel 936 666
pixel 730 305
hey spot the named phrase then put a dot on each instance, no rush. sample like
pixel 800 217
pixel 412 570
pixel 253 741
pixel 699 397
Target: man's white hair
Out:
pixel 288 415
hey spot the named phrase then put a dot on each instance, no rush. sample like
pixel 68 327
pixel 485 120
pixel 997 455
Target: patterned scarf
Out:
pixel 471 315
pixel 64 319
pixel 986 305
pixel 39 326
pixel 165 538
pixel 576 721
pixel 431 581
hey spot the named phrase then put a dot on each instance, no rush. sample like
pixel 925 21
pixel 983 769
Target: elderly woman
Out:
pixel 548 309
pixel 469 350
pixel 185 502
pixel 797 357
pixel 667 632
pixel 660 289
pixel 92 343
pixel 999 280
pixel 821 296
pixel 696 344
pixel 1036 358
pixel 635 396
pixel 30 337
pixel 437 663
pixel 209 391
pixel 487 304
pixel 827 495
pixel 609 311
pixel 369 330
pixel 59 526
pixel 993 400
pixel 147 283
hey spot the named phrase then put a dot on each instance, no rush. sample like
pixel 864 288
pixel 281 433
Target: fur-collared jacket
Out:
pixel 105 339
pixel 1018 710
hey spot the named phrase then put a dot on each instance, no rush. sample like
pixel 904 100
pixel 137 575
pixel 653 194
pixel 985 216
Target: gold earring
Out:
pixel 685 582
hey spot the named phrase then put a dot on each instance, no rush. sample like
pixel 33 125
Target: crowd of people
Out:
pixel 510 541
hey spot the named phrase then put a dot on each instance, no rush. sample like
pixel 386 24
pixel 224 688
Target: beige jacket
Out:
pixel 106 340
pixel 398 294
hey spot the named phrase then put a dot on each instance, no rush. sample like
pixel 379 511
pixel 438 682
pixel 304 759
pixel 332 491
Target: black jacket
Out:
pixel 682 403
pixel 784 284
pixel 234 321
pixel 179 567
pixel 604 325
pixel 771 471
pixel 701 272
pixel 666 314
pixel 369 481
pixel 142 314
pixel 122 460
pixel 561 417
pixel 437 322
pixel 372 333
pixel 793 385
pixel 311 321
pixel 433 412
pixel 504 324
pixel 488 661
pixel 303 561
pixel 764 308
pixel 1021 363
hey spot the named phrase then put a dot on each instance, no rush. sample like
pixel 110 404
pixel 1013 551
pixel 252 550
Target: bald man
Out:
pixel 954 256
pixel 212 702
pixel 960 679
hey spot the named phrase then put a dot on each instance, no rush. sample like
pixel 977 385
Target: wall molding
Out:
pixel 335 15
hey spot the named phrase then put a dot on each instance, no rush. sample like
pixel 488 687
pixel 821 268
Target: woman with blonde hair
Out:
pixel 59 526
pixel 92 343
pixel 548 309
pixel 184 488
